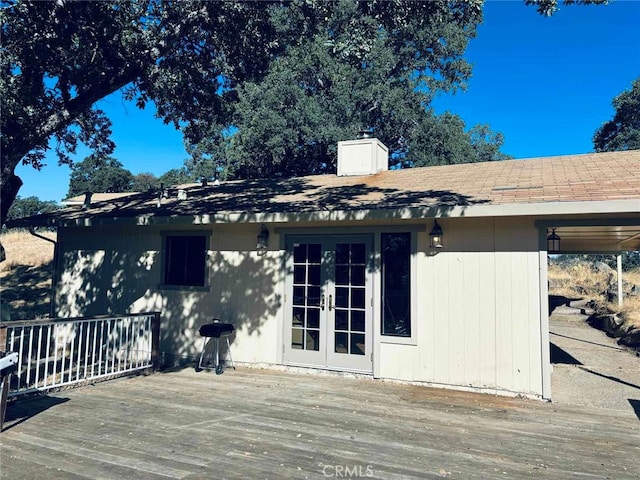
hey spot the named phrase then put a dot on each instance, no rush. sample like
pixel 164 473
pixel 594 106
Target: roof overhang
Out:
pixel 604 235
pixel 543 209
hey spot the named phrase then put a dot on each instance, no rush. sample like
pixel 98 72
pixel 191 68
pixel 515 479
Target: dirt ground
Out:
pixel 589 368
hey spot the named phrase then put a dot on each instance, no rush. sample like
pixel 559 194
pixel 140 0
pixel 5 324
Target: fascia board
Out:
pixel 409 213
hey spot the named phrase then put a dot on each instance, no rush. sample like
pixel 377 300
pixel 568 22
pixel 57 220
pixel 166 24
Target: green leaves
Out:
pixel 549 7
pixel 622 132
pixel 26 207
pixel 361 64
pixel 99 174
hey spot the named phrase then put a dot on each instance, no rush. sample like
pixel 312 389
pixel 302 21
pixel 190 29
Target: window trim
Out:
pixel 207 252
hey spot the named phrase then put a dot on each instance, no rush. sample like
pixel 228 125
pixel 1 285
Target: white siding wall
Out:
pixel 478 315
pixel 103 273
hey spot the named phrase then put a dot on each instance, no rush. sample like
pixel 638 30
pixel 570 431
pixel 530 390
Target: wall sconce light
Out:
pixel 553 242
pixel 263 240
pixel 435 236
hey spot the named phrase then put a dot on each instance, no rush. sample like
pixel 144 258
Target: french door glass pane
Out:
pixel 342 275
pixel 342 297
pixel 315 253
pixel 342 320
pixel 298 317
pixel 357 275
pixel 297 338
pixel 357 321
pixel 357 344
pixel 342 342
pixel 313 318
pixel 299 274
pixel 357 298
pixel 305 324
pixel 313 340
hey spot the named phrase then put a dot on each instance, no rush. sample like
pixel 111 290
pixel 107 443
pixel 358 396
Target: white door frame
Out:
pixel 332 300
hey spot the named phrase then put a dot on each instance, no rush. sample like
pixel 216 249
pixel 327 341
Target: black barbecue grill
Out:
pixel 215 331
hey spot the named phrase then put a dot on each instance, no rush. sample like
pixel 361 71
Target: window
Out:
pixel 185 260
pixel 396 284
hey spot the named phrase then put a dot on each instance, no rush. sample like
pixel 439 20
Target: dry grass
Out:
pixel 25 276
pixel 583 281
pixel 22 248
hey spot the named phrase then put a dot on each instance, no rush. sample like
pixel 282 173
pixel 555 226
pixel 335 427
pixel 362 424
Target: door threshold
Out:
pixel 343 372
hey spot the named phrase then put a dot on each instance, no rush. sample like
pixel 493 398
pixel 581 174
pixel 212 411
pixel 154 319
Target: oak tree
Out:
pixel 188 58
pixel 622 132
pixel 98 173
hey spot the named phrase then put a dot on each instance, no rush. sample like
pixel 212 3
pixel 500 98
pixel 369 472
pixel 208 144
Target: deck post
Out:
pixel 155 341
pixel 619 262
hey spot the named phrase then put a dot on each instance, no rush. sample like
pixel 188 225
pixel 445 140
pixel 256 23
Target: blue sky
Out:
pixel 545 83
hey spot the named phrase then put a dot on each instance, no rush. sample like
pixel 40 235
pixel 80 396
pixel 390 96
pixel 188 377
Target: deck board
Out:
pixel 253 423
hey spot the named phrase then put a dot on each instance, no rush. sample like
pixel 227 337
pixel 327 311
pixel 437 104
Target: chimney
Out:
pixel 365 156
pixel 87 201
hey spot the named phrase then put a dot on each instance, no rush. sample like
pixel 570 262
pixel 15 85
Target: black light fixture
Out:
pixel 435 236
pixel 263 240
pixel 553 242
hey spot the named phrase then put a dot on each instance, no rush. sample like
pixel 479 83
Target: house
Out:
pixel 434 275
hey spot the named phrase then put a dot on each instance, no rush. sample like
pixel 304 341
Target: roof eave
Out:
pixel 408 213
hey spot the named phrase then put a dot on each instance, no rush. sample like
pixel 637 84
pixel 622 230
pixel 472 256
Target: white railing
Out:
pixel 55 353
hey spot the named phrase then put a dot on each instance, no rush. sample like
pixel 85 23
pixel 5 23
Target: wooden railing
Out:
pixel 55 353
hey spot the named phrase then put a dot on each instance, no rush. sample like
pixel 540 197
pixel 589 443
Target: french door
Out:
pixel 328 320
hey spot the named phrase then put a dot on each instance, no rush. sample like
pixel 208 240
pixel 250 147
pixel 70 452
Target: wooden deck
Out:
pixel 255 424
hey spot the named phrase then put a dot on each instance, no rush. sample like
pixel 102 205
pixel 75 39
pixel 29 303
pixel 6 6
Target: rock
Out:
pixel 605 269
pixel 554 283
pixel 596 321
pixel 602 267
pixel 631 339
pixel 580 290
pixel 613 325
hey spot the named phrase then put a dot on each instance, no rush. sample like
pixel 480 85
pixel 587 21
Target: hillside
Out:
pixel 596 284
pixel 25 276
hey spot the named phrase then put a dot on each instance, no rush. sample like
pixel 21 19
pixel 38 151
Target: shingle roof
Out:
pixel 573 178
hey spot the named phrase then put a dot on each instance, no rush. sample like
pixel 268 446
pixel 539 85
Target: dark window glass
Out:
pixel 314 275
pixel 357 275
pixel 357 344
pixel 314 253
pixel 185 262
pixel 342 297
pixel 313 318
pixel 300 253
pixel 342 253
pixel 342 320
pixel 342 343
pixel 298 296
pixel 342 274
pixel 313 340
pixel 357 321
pixel 358 253
pixel 313 296
pixel 396 284
pixel 357 298
pixel 299 274
pixel 298 317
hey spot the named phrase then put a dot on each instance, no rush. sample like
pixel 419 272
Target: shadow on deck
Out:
pixel 253 423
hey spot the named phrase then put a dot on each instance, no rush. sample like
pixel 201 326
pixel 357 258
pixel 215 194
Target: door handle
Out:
pixel 322 302
pixel 330 302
